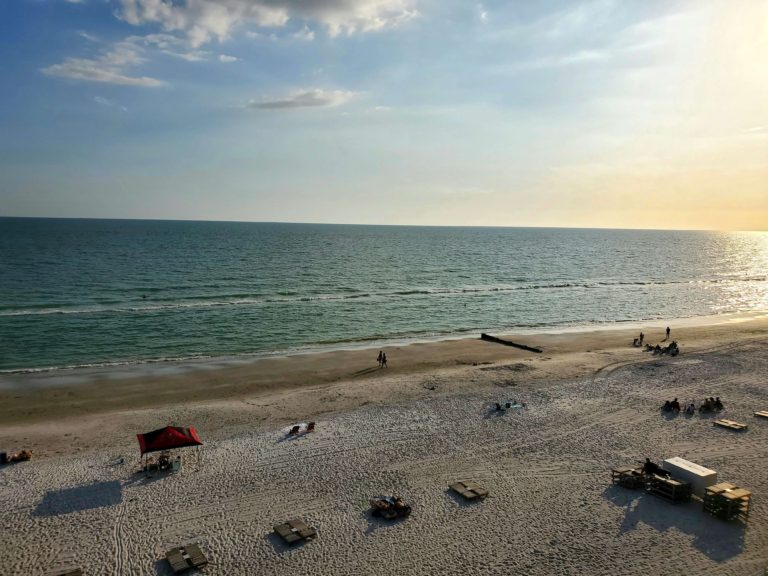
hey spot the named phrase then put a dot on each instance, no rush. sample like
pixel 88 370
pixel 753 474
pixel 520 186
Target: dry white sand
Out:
pixel 552 509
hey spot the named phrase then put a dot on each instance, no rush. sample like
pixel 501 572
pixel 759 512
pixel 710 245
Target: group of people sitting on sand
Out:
pixel 709 405
pixel 672 349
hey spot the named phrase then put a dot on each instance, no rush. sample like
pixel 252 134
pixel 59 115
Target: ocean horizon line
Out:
pixel 378 225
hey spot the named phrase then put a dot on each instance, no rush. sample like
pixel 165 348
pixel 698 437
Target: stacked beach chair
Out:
pixel 727 502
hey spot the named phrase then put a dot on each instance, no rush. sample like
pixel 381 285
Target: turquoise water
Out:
pixel 93 292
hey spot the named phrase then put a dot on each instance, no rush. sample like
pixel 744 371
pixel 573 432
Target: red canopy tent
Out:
pixel 168 438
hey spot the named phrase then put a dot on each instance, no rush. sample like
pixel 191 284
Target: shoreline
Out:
pixel 350 377
pixel 163 366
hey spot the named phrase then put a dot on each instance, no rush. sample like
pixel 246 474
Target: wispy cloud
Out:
pixel 170 45
pixel 226 58
pixel 305 34
pixel 306 99
pixel 482 13
pixel 109 68
pixel 205 20
pixel 87 36
pixel 106 103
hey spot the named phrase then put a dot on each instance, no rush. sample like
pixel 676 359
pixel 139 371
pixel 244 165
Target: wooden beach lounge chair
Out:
pixel 469 490
pixel 761 414
pixel 730 424
pixel 186 557
pixel 295 531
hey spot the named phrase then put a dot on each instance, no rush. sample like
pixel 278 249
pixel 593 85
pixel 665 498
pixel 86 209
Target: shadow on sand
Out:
pixel 281 547
pixel 377 523
pixel 719 540
pixel 163 568
pixel 366 371
pixel 460 500
pixel 86 497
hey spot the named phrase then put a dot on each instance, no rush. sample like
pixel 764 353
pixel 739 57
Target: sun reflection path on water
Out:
pixel 746 282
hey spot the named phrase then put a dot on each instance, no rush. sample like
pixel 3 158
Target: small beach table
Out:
pixel 469 490
pixel 186 557
pixel 730 424
pixel 628 477
pixel 294 531
pixel 673 490
pixel 761 414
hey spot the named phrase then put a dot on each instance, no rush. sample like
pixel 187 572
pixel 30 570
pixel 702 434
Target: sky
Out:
pixel 602 113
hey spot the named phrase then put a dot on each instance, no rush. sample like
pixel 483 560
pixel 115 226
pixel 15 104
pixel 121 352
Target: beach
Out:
pixel 411 429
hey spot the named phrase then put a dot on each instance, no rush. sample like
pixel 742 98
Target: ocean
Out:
pixel 77 293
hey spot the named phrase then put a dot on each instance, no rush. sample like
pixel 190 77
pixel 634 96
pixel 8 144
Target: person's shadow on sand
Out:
pixel 719 540
pixel 669 414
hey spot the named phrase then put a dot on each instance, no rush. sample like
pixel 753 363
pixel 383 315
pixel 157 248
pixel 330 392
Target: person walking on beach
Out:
pixel 667 338
pixel 380 358
pixel 384 360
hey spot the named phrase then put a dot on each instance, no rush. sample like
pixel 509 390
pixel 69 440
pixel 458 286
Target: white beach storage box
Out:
pixel 697 476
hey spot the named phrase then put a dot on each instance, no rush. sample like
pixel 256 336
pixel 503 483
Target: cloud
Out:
pixel 89 37
pixel 227 58
pixel 306 99
pixel 561 60
pixel 101 101
pixel 109 68
pixel 203 20
pixel 305 34
pixel 483 13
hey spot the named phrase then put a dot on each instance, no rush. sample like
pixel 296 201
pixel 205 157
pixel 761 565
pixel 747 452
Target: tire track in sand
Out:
pixel 117 540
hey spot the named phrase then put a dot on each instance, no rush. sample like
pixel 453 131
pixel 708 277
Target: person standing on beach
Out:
pixel 380 358
pixel 384 360
pixel 641 338
pixel 667 338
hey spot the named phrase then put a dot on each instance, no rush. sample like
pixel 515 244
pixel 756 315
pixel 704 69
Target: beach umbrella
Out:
pixel 168 438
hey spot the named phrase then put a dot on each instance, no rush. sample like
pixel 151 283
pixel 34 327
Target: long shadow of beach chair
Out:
pixel 186 557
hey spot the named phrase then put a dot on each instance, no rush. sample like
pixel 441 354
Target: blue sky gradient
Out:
pixel 547 113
